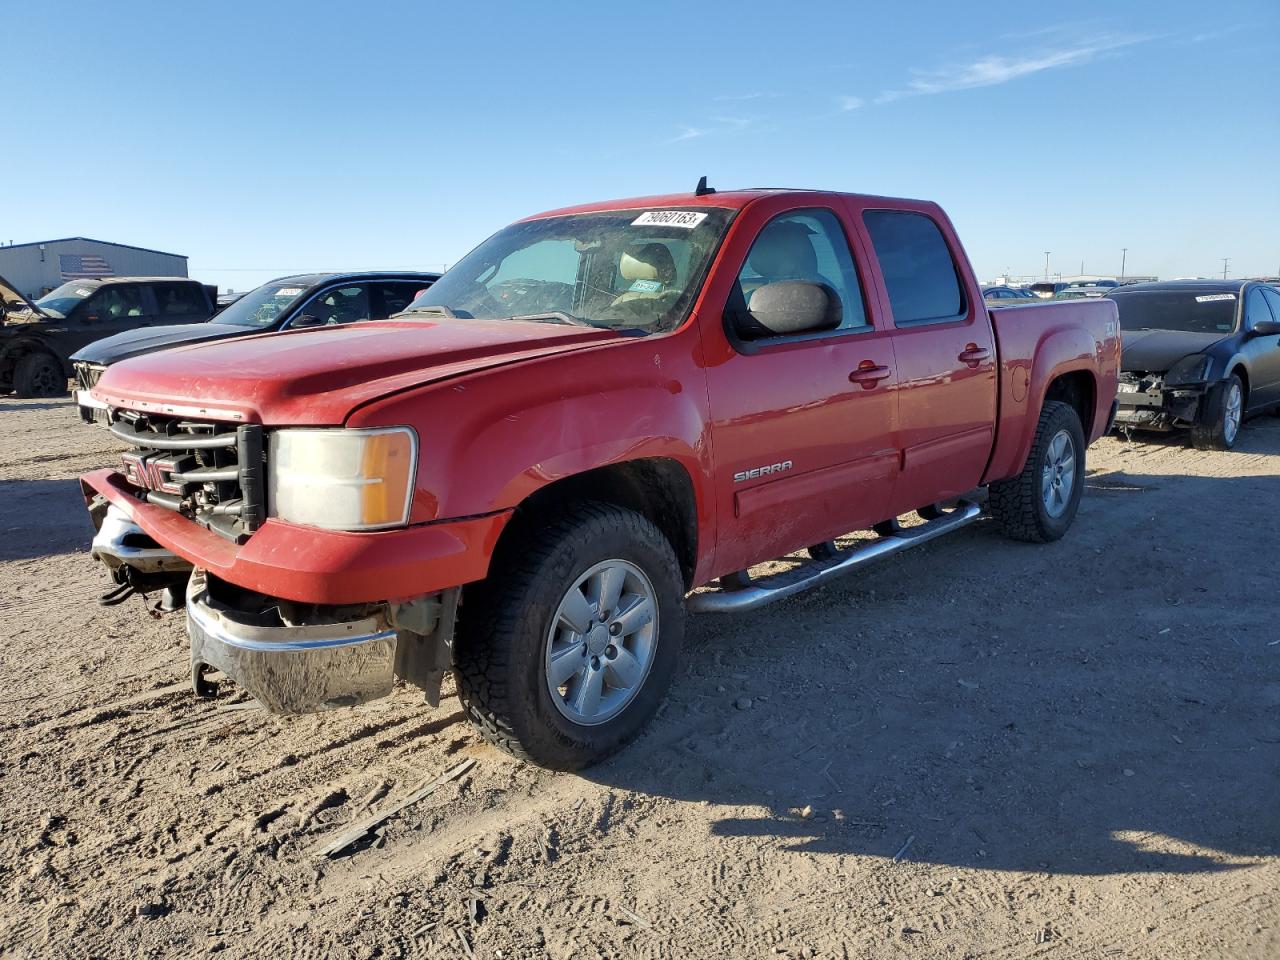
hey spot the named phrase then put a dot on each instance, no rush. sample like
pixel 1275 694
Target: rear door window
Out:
pixel 178 300
pixel 919 272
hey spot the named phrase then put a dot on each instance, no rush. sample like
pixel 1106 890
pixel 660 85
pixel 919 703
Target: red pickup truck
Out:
pixel 595 412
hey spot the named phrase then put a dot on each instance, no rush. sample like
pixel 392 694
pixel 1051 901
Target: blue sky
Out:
pixel 262 138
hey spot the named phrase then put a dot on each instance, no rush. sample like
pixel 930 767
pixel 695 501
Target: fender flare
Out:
pixel 1082 354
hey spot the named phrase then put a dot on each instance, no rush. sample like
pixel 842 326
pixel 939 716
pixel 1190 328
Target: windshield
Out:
pixel 261 307
pixel 1191 311
pixel 626 269
pixel 66 298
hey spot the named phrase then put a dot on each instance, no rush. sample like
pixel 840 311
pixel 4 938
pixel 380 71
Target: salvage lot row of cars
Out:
pixel 603 417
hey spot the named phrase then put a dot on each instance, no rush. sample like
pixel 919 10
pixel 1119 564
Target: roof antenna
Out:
pixel 702 190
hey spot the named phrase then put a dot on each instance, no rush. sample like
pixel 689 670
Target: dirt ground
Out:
pixel 976 749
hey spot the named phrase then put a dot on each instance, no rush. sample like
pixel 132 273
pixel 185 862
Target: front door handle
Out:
pixel 972 354
pixel 869 373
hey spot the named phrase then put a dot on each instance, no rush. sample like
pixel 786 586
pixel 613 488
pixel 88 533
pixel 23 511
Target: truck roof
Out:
pixel 88 281
pixel 726 199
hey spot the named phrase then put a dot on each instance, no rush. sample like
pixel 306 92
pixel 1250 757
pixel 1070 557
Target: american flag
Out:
pixel 75 267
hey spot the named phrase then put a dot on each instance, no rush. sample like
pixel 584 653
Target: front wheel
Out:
pixel 1219 423
pixel 566 650
pixel 39 374
pixel 1039 504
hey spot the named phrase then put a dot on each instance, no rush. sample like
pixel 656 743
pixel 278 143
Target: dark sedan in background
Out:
pixel 1198 354
pixel 289 303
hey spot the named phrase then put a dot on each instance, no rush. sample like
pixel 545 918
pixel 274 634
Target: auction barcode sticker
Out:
pixel 669 218
pixel 1210 297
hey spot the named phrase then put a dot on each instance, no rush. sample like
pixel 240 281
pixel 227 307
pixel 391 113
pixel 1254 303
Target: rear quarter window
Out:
pixel 919 272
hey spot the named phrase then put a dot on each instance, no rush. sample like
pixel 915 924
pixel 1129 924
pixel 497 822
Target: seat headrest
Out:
pixel 648 261
pixel 783 251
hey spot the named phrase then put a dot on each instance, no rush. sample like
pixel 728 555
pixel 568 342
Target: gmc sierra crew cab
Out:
pixel 600 418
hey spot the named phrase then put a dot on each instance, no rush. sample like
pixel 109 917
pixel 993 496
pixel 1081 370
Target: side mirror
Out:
pixel 306 320
pixel 1266 328
pixel 789 307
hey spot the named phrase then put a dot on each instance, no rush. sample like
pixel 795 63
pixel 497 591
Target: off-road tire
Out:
pixel 39 374
pixel 1209 432
pixel 1017 504
pixel 504 623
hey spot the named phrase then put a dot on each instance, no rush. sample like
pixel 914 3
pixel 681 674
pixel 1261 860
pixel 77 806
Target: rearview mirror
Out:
pixel 789 307
pixel 306 320
pixel 1266 328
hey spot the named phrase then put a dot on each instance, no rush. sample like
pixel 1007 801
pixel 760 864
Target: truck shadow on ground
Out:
pixel 42 518
pixel 1107 704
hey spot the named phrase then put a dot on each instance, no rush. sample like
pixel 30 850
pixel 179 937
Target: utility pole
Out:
pixel 1225 261
pixel 1046 265
pixel 1124 252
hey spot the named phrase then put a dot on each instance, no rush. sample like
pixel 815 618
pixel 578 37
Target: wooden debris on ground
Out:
pixel 361 827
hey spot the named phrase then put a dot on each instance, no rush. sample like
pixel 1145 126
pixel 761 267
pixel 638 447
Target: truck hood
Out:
pixel 319 376
pixel 1154 351
pixel 133 343
pixel 16 306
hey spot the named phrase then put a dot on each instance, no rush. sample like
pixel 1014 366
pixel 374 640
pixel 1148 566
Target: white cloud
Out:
pixel 849 103
pixel 990 71
pixel 739 97
pixel 716 126
pixel 688 133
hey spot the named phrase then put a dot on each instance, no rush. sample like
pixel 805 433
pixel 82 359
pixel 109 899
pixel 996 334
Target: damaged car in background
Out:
pixel 37 338
pixel 287 303
pixel 1200 355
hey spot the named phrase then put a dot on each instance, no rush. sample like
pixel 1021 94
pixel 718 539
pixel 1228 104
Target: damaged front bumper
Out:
pixel 130 554
pixel 1147 404
pixel 305 658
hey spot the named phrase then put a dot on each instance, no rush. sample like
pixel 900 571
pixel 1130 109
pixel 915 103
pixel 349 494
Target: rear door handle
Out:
pixel 972 354
pixel 869 373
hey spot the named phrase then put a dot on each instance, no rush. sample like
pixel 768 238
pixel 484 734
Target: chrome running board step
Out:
pixel 790 582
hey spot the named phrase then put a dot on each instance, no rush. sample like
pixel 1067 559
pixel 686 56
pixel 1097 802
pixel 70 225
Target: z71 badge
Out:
pixel 764 471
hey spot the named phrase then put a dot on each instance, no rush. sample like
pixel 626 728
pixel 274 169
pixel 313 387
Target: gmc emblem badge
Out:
pixel 150 473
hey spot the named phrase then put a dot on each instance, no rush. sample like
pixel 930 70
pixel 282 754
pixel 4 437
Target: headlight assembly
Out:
pixel 342 479
pixel 1188 370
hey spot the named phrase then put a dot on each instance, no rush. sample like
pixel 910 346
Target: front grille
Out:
pixel 88 375
pixel 210 472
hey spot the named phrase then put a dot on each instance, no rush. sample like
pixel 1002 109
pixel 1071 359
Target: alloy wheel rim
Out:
pixel 1231 416
pixel 1058 478
pixel 46 382
pixel 601 643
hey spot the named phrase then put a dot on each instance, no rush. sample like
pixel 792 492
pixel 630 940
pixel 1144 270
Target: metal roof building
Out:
pixel 36 268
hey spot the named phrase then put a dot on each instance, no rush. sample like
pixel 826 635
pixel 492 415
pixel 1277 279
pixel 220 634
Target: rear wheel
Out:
pixel 39 374
pixel 1219 423
pixel 1039 504
pixel 566 650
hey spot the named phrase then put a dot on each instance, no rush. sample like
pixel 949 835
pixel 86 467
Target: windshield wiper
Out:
pixel 554 316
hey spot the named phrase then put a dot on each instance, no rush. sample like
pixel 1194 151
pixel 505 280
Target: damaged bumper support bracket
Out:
pixel 1158 408
pixel 294 669
pixel 135 561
